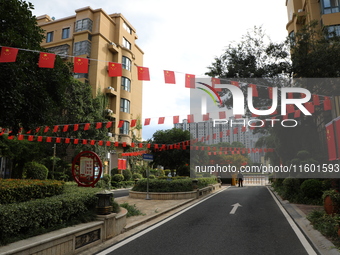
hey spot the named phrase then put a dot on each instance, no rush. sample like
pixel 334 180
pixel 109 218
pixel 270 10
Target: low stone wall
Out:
pixel 175 195
pixel 71 240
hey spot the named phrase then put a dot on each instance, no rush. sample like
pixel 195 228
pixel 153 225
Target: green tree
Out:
pixel 171 159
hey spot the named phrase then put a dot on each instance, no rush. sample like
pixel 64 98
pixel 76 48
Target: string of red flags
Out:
pixel 212 150
pixel 46 60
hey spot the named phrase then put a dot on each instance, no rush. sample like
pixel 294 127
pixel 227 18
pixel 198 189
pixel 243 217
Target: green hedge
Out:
pixel 179 185
pixel 34 217
pixel 15 190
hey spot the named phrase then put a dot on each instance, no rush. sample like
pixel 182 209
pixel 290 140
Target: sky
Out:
pixel 182 36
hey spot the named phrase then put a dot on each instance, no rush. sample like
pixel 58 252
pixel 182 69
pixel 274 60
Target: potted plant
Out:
pixel 331 201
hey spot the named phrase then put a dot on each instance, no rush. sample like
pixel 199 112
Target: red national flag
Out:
pixel 297 113
pixel 316 99
pixel 81 65
pixel 133 123
pixel 84 141
pixel 228 132
pixel 254 90
pixel 331 141
pixel 143 73
pixel 147 121
pixel 310 107
pixel 235 83
pixel 99 125
pixel 175 119
pixel 222 115
pixel 67 140
pixel 75 127
pixel 87 126
pixel 121 123
pixel 216 81
pixel 46 60
pixel 270 92
pixel 8 54
pixel 65 128
pixel 190 118
pixel 108 143
pixel 58 140
pixel 290 95
pixel 30 138
pixel 190 81
pixel 48 139
pixel 108 124
pixel 46 129
pixel 100 143
pixel 20 137
pixel 206 117
pixel 55 129
pixel 161 120
pixel 115 69
pixel 92 142
pixel 76 141
pixel 290 108
pixel 40 138
pixel 243 129
pixel 327 105
pixel 169 77
pixel 235 131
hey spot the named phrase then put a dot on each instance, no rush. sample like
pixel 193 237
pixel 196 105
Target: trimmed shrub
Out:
pixel 34 170
pixel 291 188
pixel 20 220
pixel 118 177
pixel 137 176
pixel 312 189
pixel 152 176
pixel 127 175
pixel 14 191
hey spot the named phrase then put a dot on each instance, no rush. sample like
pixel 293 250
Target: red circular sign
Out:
pixel 87 168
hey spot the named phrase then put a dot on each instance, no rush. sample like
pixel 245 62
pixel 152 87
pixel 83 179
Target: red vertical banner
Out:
pixel 190 81
pixel 330 138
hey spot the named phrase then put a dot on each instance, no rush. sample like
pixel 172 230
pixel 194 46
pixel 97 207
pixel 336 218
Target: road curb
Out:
pixel 320 243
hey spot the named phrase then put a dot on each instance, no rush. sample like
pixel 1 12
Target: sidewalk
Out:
pixel 153 212
pixel 298 213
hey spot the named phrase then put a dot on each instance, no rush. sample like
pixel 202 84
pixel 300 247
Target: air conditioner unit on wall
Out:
pixel 300 10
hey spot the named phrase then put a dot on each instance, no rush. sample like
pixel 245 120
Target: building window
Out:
pixel 126 43
pixel 81 48
pixel 126 63
pixel 124 130
pixel 49 37
pixel 124 105
pixel 330 6
pixel 84 24
pixel 333 31
pixel 127 28
pixel 126 84
pixel 65 33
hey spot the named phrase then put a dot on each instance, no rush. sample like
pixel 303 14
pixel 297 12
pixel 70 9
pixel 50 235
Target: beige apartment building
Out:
pixel 102 38
pixel 302 12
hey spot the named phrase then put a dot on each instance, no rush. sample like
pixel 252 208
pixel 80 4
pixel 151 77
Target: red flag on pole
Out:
pixel 115 69
pixel 46 60
pixel 169 77
pixel 8 54
pixel 143 73
pixel 330 141
pixel 190 81
pixel 81 65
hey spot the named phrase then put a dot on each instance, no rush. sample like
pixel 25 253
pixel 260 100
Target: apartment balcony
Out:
pixel 110 91
pixel 113 47
pixel 301 17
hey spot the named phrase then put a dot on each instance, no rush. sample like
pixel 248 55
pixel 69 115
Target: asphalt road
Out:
pixel 256 227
